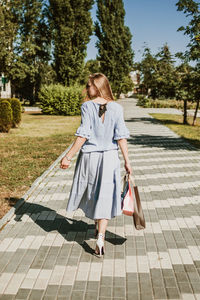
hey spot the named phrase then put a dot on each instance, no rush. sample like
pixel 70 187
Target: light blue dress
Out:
pixel 96 186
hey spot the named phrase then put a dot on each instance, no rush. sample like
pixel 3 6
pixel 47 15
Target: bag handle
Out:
pixel 130 177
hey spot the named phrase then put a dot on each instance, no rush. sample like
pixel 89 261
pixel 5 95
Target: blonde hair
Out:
pixel 102 86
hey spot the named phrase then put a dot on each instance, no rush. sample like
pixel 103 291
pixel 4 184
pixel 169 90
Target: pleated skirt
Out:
pixel 96 186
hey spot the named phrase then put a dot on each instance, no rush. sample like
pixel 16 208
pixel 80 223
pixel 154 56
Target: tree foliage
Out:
pixel 45 41
pixel 29 45
pixel 8 32
pixel 165 76
pixel 147 68
pixel 192 10
pixel 114 44
pixel 158 73
pixel 190 82
pixel 71 24
pixel 91 66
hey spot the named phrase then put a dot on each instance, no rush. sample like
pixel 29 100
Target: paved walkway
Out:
pixel 47 254
pixel 172 111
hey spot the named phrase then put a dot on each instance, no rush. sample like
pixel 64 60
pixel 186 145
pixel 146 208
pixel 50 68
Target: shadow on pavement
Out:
pixel 62 224
pixel 162 141
pixel 166 142
pixel 143 120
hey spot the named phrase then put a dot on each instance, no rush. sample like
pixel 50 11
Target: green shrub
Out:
pixel 57 99
pixel 16 110
pixel 142 101
pixel 6 116
pixel 167 103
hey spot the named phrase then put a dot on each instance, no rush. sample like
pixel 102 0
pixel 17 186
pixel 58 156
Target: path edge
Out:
pixel 35 184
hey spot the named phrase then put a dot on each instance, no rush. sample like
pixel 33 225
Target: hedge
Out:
pixel 8 120
pixel 6 116
pixel 56 99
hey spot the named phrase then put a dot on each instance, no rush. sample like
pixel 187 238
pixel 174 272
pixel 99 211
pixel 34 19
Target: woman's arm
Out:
pixel 124 149
pixel 79 141
pixel 82 133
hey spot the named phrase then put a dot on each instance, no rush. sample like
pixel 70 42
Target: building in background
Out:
pixel 135 76
pixel 5 87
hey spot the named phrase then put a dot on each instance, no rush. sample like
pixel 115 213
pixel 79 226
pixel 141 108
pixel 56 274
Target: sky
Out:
pixel 154 22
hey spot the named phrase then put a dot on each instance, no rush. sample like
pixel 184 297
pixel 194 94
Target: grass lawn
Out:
pixel 174 122
pixel 26 152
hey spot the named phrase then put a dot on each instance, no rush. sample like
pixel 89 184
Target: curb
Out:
pixel 25 197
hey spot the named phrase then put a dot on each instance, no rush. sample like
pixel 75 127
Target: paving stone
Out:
pixel 48 297
pixel 64 291
pixel 185 287
pixel 170 282
pixel 7 297
pixel 22 294
pixel 106 291
pixel 159 293
pixel 196 287
pixel 79 285
pixel 135 296
pixel 119 281
pixel 119 292
pixel 146 296
pixel 36 294
pixel 77 295
pixel 92 286
pixel 52 290
pixel 106 280
pixel 90 296
pixel 181 277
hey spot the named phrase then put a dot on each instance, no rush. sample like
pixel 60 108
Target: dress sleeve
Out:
pixel 84 128
pixel 121 131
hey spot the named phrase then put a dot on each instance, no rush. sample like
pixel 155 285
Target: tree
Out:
pixel 25 25
pixel 32 48
pixel 196 81
pixel 8 34
pixel 114 45
pixel 184 85
pixel 165 77
pixel 91 66
pixel 158 73
pixel 147 68
pixel 72 26
pixel 191 9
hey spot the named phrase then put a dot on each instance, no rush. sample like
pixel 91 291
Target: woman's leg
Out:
pixel 102 225
pixel 96 227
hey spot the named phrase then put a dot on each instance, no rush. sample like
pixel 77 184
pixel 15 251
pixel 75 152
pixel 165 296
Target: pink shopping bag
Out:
pixel 127 201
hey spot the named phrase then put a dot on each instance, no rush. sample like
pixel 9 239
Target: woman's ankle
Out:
pixel 102 234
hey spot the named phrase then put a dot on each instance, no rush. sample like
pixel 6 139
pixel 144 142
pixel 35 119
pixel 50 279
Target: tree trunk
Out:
pixel 185 112
pixel 195 113
pixel 31 96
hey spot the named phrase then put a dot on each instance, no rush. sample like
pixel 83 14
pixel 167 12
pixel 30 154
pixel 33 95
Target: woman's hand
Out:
pixel 64 163
pixel 77 144
pixel 128 167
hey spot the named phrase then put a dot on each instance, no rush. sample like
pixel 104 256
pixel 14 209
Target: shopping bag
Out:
pixel 138 215
pixel 127 204
pixel 131 194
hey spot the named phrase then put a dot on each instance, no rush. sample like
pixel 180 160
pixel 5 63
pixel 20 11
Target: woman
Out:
pixel 96 187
